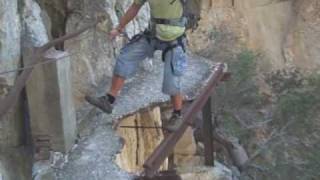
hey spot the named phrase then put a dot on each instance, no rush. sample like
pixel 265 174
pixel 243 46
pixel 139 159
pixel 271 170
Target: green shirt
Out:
pixel 163 9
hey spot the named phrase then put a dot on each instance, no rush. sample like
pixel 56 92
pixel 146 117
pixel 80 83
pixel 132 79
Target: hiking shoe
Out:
pixel 101 103
pixel 174 123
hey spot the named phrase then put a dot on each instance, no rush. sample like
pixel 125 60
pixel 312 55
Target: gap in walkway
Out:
pixel 141 133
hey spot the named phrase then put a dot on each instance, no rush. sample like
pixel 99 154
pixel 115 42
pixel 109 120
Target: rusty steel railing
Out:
pixel 153 163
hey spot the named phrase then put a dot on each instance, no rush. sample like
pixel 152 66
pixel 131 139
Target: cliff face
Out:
pixel 29 23
pixel 302 46
pixel 285 31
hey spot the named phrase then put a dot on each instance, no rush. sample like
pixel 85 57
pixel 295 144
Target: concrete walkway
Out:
pixel 93 157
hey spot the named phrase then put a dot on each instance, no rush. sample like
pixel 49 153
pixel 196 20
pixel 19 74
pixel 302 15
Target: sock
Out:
pixel 111 98
pixel 178 112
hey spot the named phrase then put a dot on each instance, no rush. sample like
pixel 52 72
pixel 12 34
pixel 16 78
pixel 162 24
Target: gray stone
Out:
pixel 140 22
pixel 50 103
pixel 41 171
pixel 15 164
pixel 218 172
pixel 10 29
pixel 93 53
pixel 48 90
pixel 35 32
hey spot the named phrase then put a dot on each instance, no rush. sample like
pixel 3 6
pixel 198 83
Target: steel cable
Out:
pixel 45 62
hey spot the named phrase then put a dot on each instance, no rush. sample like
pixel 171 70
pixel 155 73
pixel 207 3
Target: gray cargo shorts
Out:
pixel 141 47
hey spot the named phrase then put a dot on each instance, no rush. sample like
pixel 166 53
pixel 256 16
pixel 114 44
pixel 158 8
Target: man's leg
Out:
pixel 125 67
pixel 176 101
pixel 116 85
pixel 175 65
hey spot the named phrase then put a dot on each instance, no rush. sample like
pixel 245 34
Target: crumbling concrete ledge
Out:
pixel 218 172
pixel 93 157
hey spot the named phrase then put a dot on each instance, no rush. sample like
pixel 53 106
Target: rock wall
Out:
pixel 11 126
pixel 15 164
pixel 267 31
pixel 93 53
pixel 283 36
pixel 284 31
pixel 219 172
pixel 302 46
pixel 24 24
pixel 10 29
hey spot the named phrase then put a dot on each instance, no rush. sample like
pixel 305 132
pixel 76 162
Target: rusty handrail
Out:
pixel 153 163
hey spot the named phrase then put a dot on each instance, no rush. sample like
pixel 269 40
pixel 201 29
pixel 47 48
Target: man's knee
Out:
pixel 124 68
pixel 130 55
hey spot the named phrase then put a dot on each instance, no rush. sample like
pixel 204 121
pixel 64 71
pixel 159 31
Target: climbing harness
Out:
pixel 173 44
pixel 189 19
pixel 181 22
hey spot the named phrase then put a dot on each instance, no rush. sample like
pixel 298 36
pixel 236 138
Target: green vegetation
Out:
pixel 282 124
pixel 214 34
pixel 239 94
pixel 292 113
pixel 298 104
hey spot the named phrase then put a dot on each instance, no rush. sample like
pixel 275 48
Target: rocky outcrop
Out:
pixel 55 14
pixel 12 125
pixel 284 31
pixel 219 172
pixel 20 159
pixel 93 53
pixel 301 46
pixel 267 31
pixel 48 90
pixel 185 152
pixel 15 126
pixel 10 29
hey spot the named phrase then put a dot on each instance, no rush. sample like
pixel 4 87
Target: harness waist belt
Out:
pixel 174 22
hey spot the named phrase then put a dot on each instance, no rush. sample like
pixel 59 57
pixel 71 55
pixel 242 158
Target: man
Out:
pixel 166 32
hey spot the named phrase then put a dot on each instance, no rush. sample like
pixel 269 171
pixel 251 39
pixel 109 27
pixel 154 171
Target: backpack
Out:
pixel 190 16
pixel 191 13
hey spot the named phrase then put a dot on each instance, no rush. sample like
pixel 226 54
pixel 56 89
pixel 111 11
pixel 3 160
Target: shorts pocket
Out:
pixel 178 62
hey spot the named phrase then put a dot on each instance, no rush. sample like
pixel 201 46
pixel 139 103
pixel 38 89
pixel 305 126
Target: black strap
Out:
pixel 174 22
pixel 167 49
pixel 179 42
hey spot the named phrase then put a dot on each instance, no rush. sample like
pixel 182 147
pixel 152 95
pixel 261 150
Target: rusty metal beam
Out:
pixel 164 175
pixel 207 133
pixel 155 160
pixel 142 127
